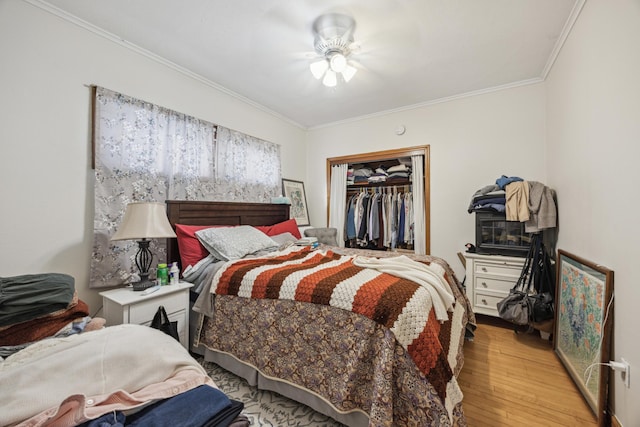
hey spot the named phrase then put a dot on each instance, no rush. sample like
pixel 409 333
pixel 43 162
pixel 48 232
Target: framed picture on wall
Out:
pixel 584 315
pixel 294 190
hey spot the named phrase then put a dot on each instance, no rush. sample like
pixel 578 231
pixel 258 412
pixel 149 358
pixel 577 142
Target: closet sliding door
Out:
pixel 419 158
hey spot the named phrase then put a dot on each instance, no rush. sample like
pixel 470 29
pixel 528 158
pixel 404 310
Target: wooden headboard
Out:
pixel 220 213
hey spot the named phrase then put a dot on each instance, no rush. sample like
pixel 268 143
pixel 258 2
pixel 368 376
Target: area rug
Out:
pixel 266 408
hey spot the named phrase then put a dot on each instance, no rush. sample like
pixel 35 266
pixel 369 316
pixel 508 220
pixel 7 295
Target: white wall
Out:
pixel 593 147
pixel 46 220
pixel 473 141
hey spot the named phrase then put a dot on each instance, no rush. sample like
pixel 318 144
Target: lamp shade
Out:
pixel 144 220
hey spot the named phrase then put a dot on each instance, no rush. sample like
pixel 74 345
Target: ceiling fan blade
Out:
pixel 318 68
pixel 349 72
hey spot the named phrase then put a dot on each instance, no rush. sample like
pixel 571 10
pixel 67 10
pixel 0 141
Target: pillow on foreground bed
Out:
pixel 104 358
pixel 234 242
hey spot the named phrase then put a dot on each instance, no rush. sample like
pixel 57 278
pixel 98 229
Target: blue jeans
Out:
pixel 193 408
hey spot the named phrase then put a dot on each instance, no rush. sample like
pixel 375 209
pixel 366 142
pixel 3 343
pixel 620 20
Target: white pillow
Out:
pixel 227 243
pixel 284 238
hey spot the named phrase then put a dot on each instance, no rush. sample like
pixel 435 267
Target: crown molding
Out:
pixel 564 34
pixel 432 102
pixel 575 12
pixel 150 55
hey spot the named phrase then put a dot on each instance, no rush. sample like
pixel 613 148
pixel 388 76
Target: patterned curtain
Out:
pixel 144 152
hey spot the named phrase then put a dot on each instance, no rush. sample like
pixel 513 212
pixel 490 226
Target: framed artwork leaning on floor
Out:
pixel 584 315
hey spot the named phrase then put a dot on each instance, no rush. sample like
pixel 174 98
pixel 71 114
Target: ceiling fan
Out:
pixel 334 43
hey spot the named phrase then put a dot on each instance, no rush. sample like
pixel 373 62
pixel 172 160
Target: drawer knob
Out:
pixel 484 269
pixel 484 284
pixel 484 301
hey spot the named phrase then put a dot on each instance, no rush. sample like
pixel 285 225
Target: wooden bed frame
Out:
pixel 221 213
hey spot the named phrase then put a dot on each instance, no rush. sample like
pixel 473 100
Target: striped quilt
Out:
pixel 325 277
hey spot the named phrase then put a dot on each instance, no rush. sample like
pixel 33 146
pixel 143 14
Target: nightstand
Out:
pixel 126 306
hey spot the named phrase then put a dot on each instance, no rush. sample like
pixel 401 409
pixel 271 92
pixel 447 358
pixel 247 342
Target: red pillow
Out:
pixel 290 226
pixel 191 250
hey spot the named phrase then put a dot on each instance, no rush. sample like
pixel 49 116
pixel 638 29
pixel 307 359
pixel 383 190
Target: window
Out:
pixel 144 152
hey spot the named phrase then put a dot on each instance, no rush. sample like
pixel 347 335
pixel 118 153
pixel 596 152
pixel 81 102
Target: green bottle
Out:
pixel 162 274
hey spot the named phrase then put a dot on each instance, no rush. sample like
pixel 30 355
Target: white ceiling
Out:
pixel 412 52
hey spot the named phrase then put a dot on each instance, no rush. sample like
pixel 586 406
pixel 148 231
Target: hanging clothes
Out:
pixel 380 218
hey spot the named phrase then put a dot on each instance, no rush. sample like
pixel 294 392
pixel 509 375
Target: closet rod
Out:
pixel 403 187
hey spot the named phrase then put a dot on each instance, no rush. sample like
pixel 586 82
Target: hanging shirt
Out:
pixel 401 220
pixel 351 225
pixel 362 230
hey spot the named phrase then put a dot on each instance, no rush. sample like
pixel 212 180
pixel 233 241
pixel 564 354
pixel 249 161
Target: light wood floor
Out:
pixel 511 379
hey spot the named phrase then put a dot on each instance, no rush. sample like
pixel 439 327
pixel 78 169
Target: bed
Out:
pixel 61 367
pixel 365 359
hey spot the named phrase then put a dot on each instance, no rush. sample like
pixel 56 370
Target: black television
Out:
pixel 497 236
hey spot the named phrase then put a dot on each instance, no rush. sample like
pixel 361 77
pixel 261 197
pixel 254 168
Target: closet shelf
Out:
pixel 378 184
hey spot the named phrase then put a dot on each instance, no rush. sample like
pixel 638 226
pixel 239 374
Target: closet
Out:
pixel 385 185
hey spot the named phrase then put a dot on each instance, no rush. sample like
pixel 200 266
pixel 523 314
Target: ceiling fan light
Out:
pixel 349 72
pixel 338 62
pixel 333 36
pixel 318 68
pixel 330 79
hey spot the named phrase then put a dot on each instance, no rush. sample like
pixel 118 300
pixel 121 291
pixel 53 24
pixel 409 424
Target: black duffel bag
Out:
pixel 542 307
pixel 531 300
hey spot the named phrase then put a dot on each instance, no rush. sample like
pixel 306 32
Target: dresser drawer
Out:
pixel 487 301
pixel 497 269
pixel 144 311
pixel 494 284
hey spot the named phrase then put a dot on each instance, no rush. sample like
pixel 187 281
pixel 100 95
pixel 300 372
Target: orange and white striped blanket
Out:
pixel 404 306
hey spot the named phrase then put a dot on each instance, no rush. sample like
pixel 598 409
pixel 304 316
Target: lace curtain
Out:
pixel 144 152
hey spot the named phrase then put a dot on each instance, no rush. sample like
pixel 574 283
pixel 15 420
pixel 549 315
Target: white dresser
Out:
pixel 126 306
pixel 489 279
